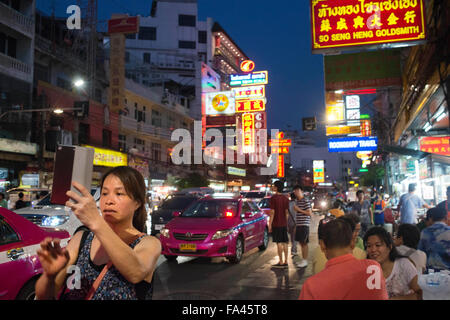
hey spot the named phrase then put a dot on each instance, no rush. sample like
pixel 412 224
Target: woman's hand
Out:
pixel 84 206
pixel 53 258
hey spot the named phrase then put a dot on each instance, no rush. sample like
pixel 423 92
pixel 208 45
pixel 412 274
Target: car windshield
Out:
pixel 253 195
pixel 211 209
pixel 177 203
pixel 45 201
pixel 264 204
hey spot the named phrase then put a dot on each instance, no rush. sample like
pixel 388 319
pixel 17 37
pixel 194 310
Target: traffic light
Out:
pixel 309 124
pixel 82 109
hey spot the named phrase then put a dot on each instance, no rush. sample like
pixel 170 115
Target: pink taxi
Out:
pixel 216 226
pixel 19 264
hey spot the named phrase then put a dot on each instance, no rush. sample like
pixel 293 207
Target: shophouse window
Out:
pixel 122 142
pixel 83 135
pixel 202 37
pixel 187 20
pixel 147 33
pixel 182 44
pixel 156 118
pixel 106 140
pixel 146 57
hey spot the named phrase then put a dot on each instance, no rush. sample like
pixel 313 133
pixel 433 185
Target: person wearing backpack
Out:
pixel 408 205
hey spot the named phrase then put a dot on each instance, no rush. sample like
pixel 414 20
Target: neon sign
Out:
pixel 254 78
pixel 344 23
pixel 247 66
pixel 252 92
pixel 353 144
pixel 248 133
pixel 250 105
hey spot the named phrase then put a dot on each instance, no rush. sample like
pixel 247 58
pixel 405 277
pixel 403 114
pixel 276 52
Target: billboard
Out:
pixel 337 24
pixel 250 79
pixel 117 72
pixel 210 79
pixel 248 132
pixel 353 144
pixel 362 70
pixel 219 103
pixel 252 92
pixel 123 25
pixel 437 145
pixel 318 171
pixel 342 130
pixel 250 105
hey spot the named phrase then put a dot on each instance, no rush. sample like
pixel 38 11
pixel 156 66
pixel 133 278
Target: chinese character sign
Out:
pixel 437 145
pixel 248 132
pixel 117 72
pixel 344 23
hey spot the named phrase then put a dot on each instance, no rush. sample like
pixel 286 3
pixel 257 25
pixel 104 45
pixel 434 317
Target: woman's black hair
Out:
pixel 384 236
pixel 410 235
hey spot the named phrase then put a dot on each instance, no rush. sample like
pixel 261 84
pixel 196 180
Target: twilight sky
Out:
pixel 274 34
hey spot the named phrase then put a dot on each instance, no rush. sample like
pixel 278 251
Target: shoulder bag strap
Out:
pixel 82 241
pixel 102 274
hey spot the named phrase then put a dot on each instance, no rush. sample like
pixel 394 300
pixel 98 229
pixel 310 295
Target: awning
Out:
pixel 404 151
pixel 441 159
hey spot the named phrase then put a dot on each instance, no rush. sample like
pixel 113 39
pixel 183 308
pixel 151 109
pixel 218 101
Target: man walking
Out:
pixel 408 205
pixel 292 225
pixel 363 210
pixel 279 212
pixel 302 221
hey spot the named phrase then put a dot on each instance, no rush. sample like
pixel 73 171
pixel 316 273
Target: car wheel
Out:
pixel 170 258
pixel 239 251
pixel 265 242
pixel 28 291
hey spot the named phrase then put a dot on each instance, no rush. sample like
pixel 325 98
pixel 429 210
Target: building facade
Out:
pixel 17 32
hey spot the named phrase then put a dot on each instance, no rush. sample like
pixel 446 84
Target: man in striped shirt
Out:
pixel 303 220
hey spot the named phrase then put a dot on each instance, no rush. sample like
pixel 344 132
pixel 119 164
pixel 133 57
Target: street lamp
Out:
pixel 79 83
pixel 56 110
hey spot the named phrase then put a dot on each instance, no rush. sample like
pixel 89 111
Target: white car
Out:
pixel 46 214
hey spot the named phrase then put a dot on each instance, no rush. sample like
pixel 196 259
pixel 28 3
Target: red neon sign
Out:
pixel 438 145
pixel 247 66
pixel 280 172
pixel 250 105
pixel 344 23
pixel 248 133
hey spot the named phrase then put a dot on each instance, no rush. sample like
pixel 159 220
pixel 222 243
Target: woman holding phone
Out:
pixel 114 259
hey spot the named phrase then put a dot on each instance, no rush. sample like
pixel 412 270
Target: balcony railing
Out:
pixel 15 68
pixel 144 128
pixel 16 20
pixel 64 55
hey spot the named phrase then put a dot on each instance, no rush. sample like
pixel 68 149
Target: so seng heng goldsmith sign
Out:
pixel 349 23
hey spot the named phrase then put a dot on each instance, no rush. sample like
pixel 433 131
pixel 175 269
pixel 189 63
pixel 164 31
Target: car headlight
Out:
pixel 165 232
pixel 222 234
pixel 54 221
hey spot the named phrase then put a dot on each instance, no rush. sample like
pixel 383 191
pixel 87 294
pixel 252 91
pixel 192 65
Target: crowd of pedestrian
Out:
pixel 385 263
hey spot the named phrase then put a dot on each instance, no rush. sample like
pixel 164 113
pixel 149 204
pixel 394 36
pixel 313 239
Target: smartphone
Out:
pixel 72 163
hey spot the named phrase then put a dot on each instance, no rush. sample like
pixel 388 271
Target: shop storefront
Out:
pixel 104 159
pixel 431 175
pixel 15 159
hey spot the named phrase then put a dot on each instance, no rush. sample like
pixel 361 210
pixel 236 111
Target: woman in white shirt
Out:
pixel 399 272
pixel 406 242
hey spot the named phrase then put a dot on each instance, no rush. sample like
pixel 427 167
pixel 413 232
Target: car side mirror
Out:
pixel 176 214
